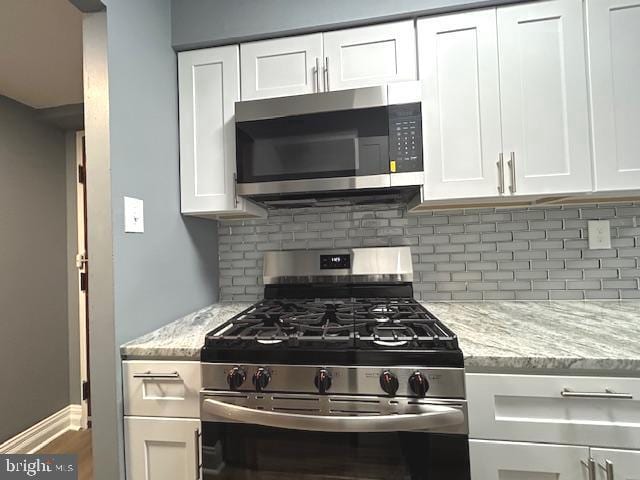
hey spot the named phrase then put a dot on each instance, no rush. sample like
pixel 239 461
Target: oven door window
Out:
pixel 239 451
pixel 321 145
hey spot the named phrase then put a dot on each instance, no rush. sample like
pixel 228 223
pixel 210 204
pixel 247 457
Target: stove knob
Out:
pixel 389 382
pixel 323 380
pixel 419 384
pixel 261 379
pixel 236 377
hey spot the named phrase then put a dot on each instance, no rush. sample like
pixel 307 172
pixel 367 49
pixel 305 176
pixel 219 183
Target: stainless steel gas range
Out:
pixel 337 374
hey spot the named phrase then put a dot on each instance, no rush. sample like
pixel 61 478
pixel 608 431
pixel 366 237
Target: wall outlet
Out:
pixel 133 215
pixel 599 234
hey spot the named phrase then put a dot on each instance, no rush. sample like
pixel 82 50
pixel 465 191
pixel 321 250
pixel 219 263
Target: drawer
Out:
pixel 555 409
pixel 161 389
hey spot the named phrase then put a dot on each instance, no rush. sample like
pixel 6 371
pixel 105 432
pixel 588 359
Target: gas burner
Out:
pixel 360 323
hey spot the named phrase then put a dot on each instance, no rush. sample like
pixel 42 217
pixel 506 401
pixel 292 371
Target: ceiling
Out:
pixel 41 52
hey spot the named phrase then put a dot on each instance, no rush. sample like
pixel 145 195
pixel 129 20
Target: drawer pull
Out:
pixel 590 465
pixel 608 393
pixel 608 469
pixel 156 375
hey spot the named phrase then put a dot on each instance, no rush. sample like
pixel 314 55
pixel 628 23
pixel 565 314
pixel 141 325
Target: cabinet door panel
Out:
pixel 614 69
pixel 626 463
pixel 281 67
pixel 526 461
pixel 458 62
pixel 368 56
pixel 209 86
pixel 161 448
pixel 544 96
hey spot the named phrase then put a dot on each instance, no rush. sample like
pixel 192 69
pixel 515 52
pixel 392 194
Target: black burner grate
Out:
pixel 361 323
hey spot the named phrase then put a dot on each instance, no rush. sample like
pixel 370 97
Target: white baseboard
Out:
pixel 38 435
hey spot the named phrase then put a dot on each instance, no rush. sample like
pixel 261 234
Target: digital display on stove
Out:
pixel 328 262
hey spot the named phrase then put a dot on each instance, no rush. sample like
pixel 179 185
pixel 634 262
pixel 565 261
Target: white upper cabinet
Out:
pixel 545 129
pixel 613 29
pixel 368 56
pixel 282 67
pixel 209 86
pixel 526 461
pixel 625 464
pixel 458 65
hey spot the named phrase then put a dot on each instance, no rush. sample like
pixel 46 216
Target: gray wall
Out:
pixel 171 269
pixel 485 254
pixel 204 23
pixel 33 289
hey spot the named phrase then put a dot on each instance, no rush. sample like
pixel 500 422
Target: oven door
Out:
pixel 309 437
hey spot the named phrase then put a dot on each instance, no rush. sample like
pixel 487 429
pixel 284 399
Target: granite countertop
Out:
pixel 560 335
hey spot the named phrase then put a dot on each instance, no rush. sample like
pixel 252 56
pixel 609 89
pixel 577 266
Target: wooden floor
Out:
pixel 74 442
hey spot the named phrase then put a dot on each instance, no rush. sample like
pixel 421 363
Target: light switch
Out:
pixel 599 234
pixel 133 215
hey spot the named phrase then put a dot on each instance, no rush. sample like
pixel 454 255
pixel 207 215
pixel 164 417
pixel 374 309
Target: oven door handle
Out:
pixel 429 417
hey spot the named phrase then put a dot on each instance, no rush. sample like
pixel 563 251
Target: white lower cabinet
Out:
pixel 491 460
pixel 572 410
pixel 162 448
pixel 622 464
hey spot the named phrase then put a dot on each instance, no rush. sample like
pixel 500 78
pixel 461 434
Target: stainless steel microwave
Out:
pixel 349 143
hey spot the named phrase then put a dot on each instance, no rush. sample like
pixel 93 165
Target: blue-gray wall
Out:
pixel 169 270
pixel 33 255
pixel 205 23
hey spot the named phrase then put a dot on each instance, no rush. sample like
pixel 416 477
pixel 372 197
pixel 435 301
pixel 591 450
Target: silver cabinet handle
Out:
pixel 590 465
pixel 326 74
pixel 316 73
pixel 608 393
pixel 156 375
pixel 235 189
pixel 197 445
pixel 512 168
pixel 500 164
pixel 430 416
pixel 608 469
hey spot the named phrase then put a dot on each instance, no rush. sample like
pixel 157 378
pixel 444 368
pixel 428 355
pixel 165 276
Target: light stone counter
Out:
pixel 561 335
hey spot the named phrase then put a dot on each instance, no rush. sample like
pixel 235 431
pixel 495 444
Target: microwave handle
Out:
pixel 429 417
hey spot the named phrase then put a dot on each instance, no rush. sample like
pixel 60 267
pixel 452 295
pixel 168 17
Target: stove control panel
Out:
pixel 421 382
pixel 338 261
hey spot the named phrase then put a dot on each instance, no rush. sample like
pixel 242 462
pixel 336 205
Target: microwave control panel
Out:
pixel 405 138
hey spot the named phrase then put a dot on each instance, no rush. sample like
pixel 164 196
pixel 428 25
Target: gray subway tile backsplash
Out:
pixel 536 253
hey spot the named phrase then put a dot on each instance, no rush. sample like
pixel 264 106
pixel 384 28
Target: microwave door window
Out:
pixel 322 145
pixel 306 156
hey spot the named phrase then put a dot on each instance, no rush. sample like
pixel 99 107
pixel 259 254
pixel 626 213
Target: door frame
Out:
pixel 81 264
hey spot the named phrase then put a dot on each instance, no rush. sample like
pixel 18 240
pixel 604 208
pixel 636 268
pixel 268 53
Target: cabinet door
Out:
pixel 162 448
pixel 281 67
pixel 544 97
pixel 526 461
pixel 625 463
pixel 368 56
pixel 614 69
pixel 458 62
pixel 209 86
